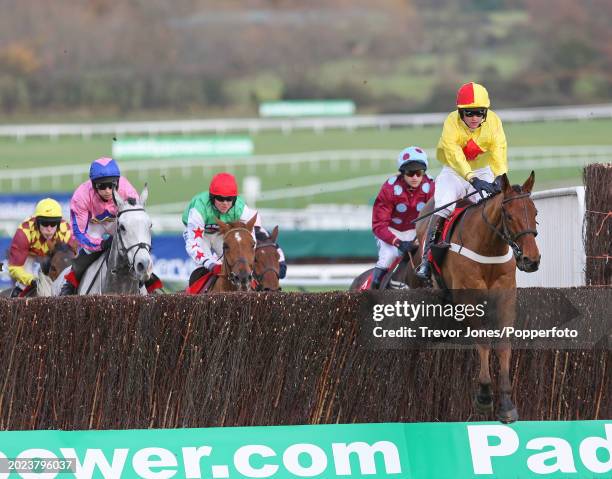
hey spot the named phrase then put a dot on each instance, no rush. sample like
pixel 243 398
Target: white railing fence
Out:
pixel 254 125
pixel 525 158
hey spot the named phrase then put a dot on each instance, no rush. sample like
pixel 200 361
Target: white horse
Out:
pixel 128 263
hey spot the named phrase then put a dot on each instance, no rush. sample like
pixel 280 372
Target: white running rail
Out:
pixel 520 158
pixel 254 125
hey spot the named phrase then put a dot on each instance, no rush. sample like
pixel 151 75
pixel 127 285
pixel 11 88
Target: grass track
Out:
pixel 176 187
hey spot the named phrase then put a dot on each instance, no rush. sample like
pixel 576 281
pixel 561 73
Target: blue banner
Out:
pixel 171 262
pixel 20 206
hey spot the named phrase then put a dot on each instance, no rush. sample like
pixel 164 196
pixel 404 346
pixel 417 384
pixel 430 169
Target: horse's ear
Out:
pixel 274 234
pixel 528 185
pixel 223 227
pixel 504 183
pixel 119 201
pixel 251 223
pixel 144 195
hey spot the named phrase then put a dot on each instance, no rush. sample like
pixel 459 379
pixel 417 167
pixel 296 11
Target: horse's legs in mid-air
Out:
pixel 483 402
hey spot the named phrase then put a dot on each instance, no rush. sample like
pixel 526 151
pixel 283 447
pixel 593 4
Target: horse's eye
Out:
pixel 509 217
pixel 224 245
pixel 122 227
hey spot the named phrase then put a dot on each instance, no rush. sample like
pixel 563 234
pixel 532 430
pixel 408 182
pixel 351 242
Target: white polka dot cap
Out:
pixel 412 154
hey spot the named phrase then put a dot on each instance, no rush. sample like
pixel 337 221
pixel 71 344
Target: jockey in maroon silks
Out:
pixel 399 201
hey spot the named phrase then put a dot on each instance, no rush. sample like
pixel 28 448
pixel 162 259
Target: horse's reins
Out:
pixel 506 235
pixel 432 212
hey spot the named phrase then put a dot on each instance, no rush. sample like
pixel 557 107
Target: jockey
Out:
pixel 399 201
pixel 472 149
pixel 35 237
pixel 92 214
pixel 203 242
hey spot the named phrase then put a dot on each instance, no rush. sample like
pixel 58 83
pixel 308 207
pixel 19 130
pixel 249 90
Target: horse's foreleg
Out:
pixel 506 412
pixel 483 402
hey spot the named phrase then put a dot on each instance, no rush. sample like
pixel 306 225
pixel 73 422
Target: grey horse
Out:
pixel 128 263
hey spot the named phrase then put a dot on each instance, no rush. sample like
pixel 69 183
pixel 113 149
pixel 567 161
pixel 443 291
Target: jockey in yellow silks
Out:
pixel 473 150
pixel 34 238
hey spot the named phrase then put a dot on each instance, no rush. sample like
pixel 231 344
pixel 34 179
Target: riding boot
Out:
pixel 16 292
pixel 377 275
pixel 68 289
pixel 197 274
pixel 79 265
pixel 423 271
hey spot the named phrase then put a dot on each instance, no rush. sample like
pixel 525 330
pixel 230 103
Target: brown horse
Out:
pixel 491 229
pixel 238 256
pixel 267 268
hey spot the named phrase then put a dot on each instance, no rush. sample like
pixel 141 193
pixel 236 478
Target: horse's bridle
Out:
pixel 230 267
pixel 506 235
pixel 123 251
pixel 259 277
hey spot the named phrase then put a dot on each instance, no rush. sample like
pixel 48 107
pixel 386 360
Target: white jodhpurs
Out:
pixel 450 187
pixel 387 253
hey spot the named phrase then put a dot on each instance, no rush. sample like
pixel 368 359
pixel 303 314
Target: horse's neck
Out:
pixel 476 235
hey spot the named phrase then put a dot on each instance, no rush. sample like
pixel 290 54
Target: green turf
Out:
pixel 178 186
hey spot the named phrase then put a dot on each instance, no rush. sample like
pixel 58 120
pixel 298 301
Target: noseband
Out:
pixel 505 234
pixel 123 251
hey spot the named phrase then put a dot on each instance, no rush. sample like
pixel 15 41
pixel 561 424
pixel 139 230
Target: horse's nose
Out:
pixel 142 266
pixel 530 265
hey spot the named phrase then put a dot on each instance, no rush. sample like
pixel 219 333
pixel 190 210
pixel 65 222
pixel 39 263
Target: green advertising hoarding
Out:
pixel 181 146
pixel 297 108
pixel 574 449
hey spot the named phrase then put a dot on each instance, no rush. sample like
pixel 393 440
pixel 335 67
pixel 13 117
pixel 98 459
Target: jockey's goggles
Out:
pixel 470 112
pixel 105 185
pixel 412 173
pixel 224 198
pixel 47 223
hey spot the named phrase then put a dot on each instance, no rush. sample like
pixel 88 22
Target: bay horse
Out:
pixel 128 263
pixel 491 240
pixel 238 256
pixel 266 269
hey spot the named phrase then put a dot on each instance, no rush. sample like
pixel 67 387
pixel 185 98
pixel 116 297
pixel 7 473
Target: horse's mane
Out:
pixel 61 246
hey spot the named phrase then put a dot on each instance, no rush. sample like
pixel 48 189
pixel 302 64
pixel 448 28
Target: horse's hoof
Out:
pixel 482 405
pixel 508 417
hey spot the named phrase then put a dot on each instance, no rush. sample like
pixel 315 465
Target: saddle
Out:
pixel 203 284
pixel 438 251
